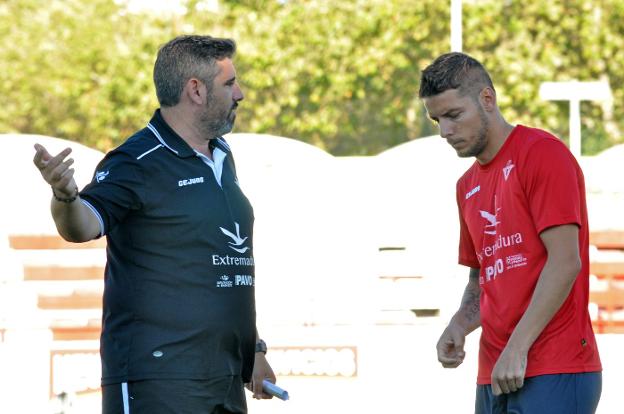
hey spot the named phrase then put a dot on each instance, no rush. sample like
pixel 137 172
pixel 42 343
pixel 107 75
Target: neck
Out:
pixel 498 132
pixel 183 123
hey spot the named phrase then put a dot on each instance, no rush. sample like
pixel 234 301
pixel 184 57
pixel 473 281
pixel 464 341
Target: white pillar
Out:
pixel 456 25
pixel 575 127
pixel 575 92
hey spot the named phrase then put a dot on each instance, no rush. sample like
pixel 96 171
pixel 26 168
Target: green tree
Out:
pixel 340 75
pixel 75 69
pixel 527 43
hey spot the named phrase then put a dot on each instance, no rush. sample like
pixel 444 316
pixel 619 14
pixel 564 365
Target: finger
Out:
pixel 450 362
pixel 58 158
pixel 446 359
pixel 58 172
pixel 453 365
pixel 519 382
pixel 257 388
pixel 266 396
pixel 65 179
pixel 511 385
pixel 41 156
pixel 496 390
pixel 503 386
pixel 63 168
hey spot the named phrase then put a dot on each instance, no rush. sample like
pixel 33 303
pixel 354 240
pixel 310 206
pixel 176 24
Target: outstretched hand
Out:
pixel 55 170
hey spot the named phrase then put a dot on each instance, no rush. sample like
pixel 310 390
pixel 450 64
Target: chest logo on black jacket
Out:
pixel 237 241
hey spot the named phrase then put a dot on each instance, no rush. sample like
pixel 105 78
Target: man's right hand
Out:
pixel 74 221
pixel 451 346
pixel 56 171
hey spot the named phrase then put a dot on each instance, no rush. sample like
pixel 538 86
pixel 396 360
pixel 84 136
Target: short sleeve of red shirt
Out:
pixel 467 256
pixel 552 185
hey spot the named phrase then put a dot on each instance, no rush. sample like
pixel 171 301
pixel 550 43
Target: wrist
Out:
pixel 459 324
pixel 261 346
pixel 518 346
pixel 63 198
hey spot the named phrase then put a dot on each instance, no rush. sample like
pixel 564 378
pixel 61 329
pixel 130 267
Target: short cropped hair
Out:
pixel 186 57
pixel 454 71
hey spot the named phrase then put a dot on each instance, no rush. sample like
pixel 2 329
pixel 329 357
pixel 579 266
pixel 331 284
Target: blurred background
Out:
pixel 356 222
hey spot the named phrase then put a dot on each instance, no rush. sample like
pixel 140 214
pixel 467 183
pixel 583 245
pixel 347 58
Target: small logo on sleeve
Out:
pixel 101 175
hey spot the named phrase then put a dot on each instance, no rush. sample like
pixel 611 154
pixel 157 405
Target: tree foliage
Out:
pixel 340 75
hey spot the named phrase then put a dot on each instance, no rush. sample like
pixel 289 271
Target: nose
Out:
pixel 237 94
pixel 446 129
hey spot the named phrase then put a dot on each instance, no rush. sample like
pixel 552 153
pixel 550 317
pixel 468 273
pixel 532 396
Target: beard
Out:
pixel 216 124
pixel 481 140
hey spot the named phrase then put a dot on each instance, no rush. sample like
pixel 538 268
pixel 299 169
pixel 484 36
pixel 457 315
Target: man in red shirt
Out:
pixel 525 238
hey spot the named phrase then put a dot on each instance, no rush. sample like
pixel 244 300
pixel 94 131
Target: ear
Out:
pixel 195 91
pixel 487 98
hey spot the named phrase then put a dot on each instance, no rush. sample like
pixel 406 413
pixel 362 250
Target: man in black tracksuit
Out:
pixel 178 332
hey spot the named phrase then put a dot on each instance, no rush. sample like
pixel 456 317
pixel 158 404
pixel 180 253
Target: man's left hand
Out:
pixel 261 371
pixel 508 373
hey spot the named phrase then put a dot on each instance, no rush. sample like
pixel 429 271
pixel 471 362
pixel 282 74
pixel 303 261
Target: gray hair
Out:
pixel 186 57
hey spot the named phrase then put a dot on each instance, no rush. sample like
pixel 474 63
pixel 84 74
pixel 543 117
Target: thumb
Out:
pixel 42 152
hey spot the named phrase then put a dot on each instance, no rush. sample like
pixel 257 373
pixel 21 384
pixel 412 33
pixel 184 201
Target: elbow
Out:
pixel 73 236
pixel 572 268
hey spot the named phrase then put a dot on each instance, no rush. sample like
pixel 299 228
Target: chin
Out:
pixel 465 153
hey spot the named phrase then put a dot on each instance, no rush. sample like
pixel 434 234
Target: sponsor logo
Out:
pixel 511 262
pixel 502 242
pixel 243 280
pixel 232 261
pixel 492 271
pixel 515 260
pixel 101 175
pixel 224 282
pixel 473 192
pixel 237 241
pixel 491 218
pixel 190 181
pixel 507 169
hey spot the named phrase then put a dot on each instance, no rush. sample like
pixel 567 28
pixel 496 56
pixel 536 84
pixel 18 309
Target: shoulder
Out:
pixel 543 155
pixel 139 147
pixel 537 142
pixel 129 158
pixel 467 177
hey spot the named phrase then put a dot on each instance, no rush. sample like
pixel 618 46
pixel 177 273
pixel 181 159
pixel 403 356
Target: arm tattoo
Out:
pixel 470 301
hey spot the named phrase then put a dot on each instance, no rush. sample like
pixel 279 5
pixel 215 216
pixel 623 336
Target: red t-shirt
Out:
pixel 533 183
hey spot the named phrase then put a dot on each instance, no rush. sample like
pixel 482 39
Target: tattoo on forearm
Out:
pixel 470 299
